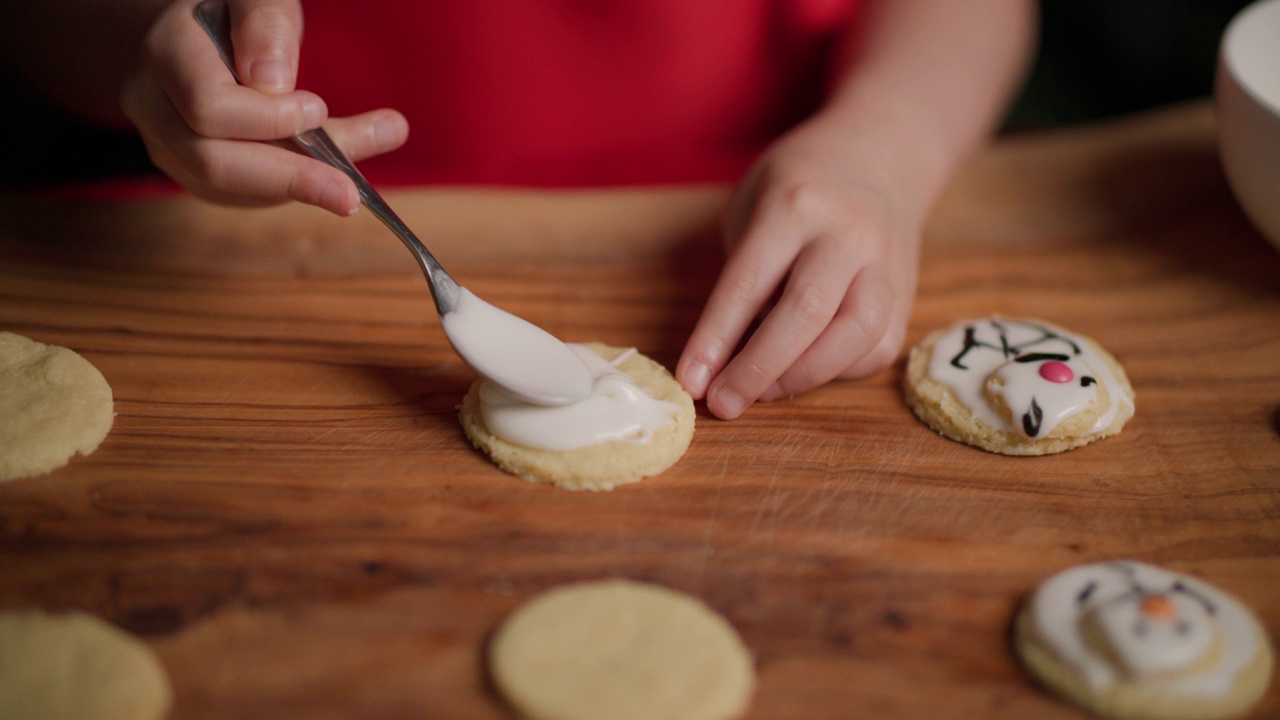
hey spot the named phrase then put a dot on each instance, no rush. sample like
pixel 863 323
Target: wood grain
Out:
pixel 288 512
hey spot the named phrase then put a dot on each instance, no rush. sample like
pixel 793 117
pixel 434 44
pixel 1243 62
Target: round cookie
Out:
pixel 53 403
pixel 601 466
pixel 1017 386
pixel 77 667
pixel 1132 641
pixel 622 650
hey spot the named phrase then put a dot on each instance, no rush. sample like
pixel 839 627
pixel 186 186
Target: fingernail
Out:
pixel 773 393
pixel 273 73
pixel 698 377
pixel 335 196
pixel 731 403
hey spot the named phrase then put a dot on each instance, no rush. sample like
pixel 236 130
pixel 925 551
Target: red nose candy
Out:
pixel 1158 607
pixel 1055 371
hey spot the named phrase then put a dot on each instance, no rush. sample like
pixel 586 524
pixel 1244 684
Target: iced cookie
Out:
pixel 621 650
pixel 77 667
pixel 1017 387
pixel 53 404
pixel 636 423
pixel 1132 641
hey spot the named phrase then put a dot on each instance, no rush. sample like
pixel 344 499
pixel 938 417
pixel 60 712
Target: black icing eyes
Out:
pixel 1037 357
pixel 1055 369
pixel 1086 593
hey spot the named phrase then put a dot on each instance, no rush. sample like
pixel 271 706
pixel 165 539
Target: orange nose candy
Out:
pixel 1158 607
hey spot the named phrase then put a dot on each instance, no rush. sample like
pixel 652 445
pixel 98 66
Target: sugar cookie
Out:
pixel 77 667
pixel 53 404
pixel 1132 641
pixel 637 423
pixel 1017 387
pixel 621 650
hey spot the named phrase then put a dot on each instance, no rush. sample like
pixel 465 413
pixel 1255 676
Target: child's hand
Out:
pixel 824 252
pixel 206 131
pixel 824 234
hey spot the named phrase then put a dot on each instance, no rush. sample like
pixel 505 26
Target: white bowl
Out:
pixel 1247 102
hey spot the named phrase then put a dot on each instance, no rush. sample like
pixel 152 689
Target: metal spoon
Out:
pixel 524 359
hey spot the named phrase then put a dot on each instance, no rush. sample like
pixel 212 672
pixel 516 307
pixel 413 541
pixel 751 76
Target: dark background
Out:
pixel 1103 58
pixel 1097 59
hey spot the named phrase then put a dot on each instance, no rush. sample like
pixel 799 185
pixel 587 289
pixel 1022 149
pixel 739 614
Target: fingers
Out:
pixel 845 262
pixel 231 143
pixel 186 66
pixel 753 273
pixel 266 35
pixel 240 172
pixel 231 171
pixel 819 282
pixel 804 343
pixel 369 134
pixel 864 337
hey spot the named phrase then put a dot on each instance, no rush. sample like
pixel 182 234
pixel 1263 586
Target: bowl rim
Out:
pixel 1228 61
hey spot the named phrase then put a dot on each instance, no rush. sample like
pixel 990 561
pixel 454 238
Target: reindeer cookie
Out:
pixel 1132 641
pixel 1017 387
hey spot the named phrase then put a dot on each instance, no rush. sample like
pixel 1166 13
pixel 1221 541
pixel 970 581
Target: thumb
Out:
pixel 266 35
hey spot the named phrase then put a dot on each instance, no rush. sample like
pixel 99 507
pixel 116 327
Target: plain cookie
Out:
pixel 1132 641
pixel 53 404
pixel 602 466
pixel 621 650
pixel 77 667
pixel 1017 387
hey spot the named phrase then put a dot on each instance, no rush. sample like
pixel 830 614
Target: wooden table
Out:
pixel 287 510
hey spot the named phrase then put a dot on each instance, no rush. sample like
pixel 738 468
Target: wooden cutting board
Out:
pixel 288 512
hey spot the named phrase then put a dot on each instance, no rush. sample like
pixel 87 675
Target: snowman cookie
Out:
pixel 1017 387
pixel 1132 641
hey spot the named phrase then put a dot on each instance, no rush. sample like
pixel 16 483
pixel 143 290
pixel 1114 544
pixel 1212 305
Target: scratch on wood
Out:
pixel 707 549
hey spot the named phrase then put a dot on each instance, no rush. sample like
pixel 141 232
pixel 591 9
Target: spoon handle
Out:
pixel 318 144
pixel 214 17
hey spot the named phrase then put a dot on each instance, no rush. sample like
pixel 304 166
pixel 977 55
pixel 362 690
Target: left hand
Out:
pixel 822 250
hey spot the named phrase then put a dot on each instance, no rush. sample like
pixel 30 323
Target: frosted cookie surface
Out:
pixel 53 404
pixel 621 650
pixel 1017 387
pixel 636 423
pixel 1133 641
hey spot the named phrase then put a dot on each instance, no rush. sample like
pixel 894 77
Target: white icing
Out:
pixel 1151 645
pixel 616 410
pixel 1111 594
pixel 522 357
pixel 1021 388
pixel 972 355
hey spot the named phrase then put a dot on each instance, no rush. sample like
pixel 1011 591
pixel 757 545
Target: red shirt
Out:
pixel 572 92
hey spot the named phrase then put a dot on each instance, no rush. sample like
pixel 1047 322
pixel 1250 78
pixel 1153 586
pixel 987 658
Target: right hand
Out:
pixel 230 143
